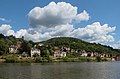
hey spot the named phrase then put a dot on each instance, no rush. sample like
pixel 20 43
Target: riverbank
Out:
pixel 15 59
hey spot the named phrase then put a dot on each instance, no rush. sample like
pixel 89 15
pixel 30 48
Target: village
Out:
pixel 58 53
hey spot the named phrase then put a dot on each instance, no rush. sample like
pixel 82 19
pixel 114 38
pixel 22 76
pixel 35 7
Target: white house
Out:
pixel 12 49
pixel 84 53
pixel 63 54
pixel 34 51
pixel 40 44
pixel 92 54
pixel 58 53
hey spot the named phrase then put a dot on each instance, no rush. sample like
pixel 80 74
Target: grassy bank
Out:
pixel 16 59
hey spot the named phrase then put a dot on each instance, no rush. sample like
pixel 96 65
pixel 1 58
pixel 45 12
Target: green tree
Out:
pixel 98 59
pixel 3 47
pixel 26 47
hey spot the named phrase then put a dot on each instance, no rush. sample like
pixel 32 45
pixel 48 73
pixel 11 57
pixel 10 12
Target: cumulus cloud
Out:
pixel 28 34
pixel 84 16
pixel 116 45
pixel 92 33
pixel 6 30
pixel 62 30
pixel 95 33
pixel 55 20
pixel 55 14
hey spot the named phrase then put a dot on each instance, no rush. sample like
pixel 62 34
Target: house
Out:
pixel 72 50
pixel 12 49
pixel 40 44
pixel 18 44
pixel 56 53
pixel 63 54
pixel 92 54
pixel 113 59
pixel 35 51
pixel 64 51
pixel 117 57
pixel 84 53
pixel 103 55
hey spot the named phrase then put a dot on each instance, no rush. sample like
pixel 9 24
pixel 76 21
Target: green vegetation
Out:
pixel 48 48
pixel 98 59
pixel 11 59
pixel 38 60
pixel 78 44
pixel 85 59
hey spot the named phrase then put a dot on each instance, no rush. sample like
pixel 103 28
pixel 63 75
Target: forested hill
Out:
pixel 78 44
pixel 7 41
pixel 73 43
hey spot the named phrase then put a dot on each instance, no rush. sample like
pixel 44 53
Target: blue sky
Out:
pixel 15 14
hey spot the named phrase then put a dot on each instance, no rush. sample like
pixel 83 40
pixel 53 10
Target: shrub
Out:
pixel 49 59
pixel 104 59
pixel 98 58
pixel 11 59
pixel 38 60
pixel 82 59
pixel 65 59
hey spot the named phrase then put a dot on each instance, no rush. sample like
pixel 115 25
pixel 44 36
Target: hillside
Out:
pixel 73 43
pixel 78 44
pixel 7 41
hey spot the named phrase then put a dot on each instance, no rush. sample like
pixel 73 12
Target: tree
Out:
pixel 44 52
pixel 98 59
pixel 26 47
pixel 3 47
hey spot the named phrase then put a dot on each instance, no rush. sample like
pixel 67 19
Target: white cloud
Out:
pixel 54 20
pixel 10 32
pixel 20 33
pixel 116 45
pixel 4 20
pixel 28 35
pixel 6 30
pixel 62 30
pixel 84 16
pixel 92 33
pixel 95 33
pixel 55 14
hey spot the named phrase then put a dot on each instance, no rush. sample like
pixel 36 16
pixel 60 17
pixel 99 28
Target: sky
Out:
pixel 95 21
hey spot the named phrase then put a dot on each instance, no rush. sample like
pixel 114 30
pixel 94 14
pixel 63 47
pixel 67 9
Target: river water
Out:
pixel 73 70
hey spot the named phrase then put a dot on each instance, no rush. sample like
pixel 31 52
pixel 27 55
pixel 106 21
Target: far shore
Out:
pixel 13 59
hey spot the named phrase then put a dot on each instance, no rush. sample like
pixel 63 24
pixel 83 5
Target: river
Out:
pixel 70 70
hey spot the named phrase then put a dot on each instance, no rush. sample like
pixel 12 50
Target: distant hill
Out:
pixel 78 44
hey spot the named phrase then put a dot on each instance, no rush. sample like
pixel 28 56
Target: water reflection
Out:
pixel 92 70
